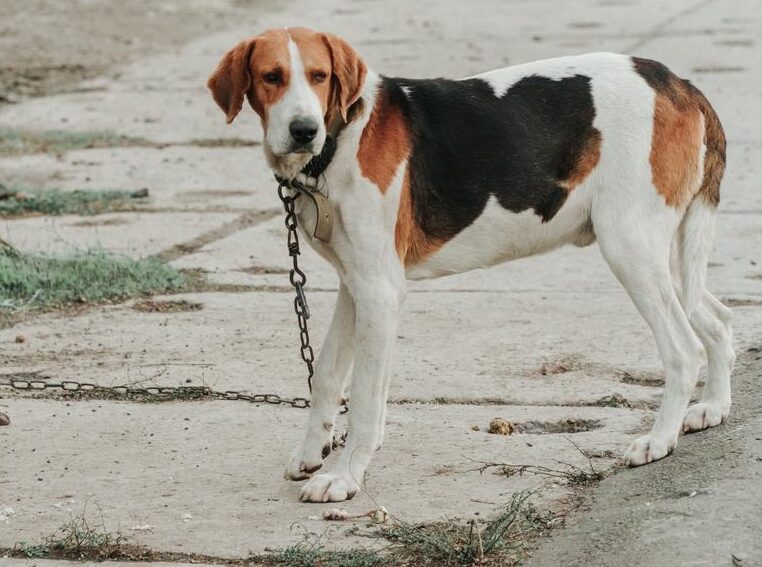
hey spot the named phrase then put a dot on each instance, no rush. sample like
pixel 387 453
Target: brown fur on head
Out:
pixel 288 74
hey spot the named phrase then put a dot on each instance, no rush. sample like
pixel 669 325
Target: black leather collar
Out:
pixel 319 163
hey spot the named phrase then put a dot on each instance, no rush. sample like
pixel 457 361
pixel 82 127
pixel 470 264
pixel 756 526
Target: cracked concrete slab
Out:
pixel 247 341
pixel 177 177
pixel 134 234
pixel 209 475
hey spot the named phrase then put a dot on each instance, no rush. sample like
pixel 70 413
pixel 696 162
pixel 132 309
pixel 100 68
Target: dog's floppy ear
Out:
pixel 232 79
pixel 348 73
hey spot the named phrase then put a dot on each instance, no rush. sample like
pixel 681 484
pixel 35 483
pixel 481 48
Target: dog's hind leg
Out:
pixel 710 319
pixel 715 334
pixel 636 244
pixel 331 372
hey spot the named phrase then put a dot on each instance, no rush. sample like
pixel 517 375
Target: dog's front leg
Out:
pixel 331 371
pixel 377 306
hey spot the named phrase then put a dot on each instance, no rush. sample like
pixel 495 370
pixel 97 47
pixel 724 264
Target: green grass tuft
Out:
pixel 19 142
pixel 41 281
pixel 311 553
pixel 18 202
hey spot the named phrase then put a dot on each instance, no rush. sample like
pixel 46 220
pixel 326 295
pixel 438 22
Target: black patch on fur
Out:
pixel 468 144
pixel 658 76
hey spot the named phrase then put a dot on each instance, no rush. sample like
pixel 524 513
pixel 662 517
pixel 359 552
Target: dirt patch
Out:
pixel 729 302
pixel 719 69
pixel 172 306
pixel 562 365
pixel 223 143
pixel 104 222
pixel 613 401
pixel 641 378
pixel 210 193
pixel 501 426
pixel 262 270
pixel 561 426
pixel 90 36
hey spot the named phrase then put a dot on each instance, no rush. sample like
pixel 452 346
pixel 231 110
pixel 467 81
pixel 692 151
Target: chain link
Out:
pixel 166 392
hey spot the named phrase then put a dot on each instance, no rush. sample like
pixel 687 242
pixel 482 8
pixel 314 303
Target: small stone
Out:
pixel 20 339
pixel 500 426
pixel 4 419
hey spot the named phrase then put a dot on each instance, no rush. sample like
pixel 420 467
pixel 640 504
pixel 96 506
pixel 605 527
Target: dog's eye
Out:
pixel 272 78
pixel 319 76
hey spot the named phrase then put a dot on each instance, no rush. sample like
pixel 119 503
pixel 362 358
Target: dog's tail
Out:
pixel 695 235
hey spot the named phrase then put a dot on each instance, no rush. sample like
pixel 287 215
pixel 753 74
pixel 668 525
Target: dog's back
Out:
pixel 527 149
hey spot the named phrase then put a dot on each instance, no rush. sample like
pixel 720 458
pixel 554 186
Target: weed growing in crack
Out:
pixel 460 543
pixel 76 539
pixel 572 474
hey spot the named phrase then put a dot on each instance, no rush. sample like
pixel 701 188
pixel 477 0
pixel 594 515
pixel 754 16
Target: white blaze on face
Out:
pixel 299 101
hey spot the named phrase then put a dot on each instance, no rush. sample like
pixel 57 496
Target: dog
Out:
pixel 428 178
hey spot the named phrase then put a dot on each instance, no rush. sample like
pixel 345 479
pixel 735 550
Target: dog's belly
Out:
pixel 499 235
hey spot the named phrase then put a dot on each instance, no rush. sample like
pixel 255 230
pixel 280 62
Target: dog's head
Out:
pixel 299 82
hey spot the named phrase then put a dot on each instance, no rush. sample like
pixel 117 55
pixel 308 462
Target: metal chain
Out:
pixel 297 279
pixel 173 392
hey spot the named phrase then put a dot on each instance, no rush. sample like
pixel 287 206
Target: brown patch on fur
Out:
pixel 682 119
pixel 714 158
pixel 348 74
pixel 675 150
pixel 587 160
pixel 232 79
pixel 413 244
pixel 384 144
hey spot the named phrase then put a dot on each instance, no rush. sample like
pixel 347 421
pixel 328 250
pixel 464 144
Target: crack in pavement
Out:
pixel 657 30
pixel 246 220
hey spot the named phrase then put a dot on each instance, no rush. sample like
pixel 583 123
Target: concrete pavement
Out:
pixel 472 347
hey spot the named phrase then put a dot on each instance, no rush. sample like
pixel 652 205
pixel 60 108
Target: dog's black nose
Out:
pixel 303 130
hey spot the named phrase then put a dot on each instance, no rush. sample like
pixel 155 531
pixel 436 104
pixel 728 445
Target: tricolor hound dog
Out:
pixel 435 177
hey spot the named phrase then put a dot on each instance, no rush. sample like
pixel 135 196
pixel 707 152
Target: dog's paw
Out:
pixel 329 487
pixel 301 467
pixel 647 449
pixel 702 415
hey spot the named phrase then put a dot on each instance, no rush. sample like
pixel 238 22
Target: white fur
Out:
pixel 630 219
